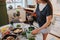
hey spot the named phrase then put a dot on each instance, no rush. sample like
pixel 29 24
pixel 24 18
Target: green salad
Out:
pixel 32 38
pixel 31 28
pixel 18 25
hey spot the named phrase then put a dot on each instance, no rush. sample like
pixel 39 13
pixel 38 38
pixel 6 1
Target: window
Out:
pixel 31 2
pixel 14 3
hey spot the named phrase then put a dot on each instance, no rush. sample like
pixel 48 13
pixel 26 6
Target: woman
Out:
pixel 44 13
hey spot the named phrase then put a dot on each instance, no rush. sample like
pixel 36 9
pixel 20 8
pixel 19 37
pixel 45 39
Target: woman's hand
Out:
pixel 35 31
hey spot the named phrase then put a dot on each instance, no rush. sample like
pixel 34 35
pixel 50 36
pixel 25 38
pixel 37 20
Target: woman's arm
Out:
pixel 48 21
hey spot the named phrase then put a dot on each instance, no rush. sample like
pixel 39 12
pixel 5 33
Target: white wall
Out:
pixel 56 6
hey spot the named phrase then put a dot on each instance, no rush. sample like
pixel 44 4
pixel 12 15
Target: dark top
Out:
pixel 41 15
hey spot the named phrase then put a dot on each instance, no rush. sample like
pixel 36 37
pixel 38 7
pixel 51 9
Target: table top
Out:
pixel 38 36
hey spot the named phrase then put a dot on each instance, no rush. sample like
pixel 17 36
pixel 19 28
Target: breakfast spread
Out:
pixel 17 31
pixel 10 38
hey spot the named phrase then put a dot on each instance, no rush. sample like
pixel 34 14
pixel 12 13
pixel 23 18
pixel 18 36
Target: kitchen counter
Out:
pixel 30 8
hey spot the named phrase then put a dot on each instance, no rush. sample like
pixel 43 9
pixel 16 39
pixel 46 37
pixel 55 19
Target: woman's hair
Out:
pixel 49 3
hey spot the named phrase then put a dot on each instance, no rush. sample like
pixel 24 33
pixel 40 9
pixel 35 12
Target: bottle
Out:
pixel 11 24
pixel 28 34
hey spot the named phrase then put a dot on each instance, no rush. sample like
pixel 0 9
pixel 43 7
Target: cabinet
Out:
pixel 3 14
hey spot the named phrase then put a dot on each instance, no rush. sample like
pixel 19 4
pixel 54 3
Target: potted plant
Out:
pixel 24 34
pixel 31 28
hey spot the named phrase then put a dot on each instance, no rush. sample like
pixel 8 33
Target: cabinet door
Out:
pixel 3 14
